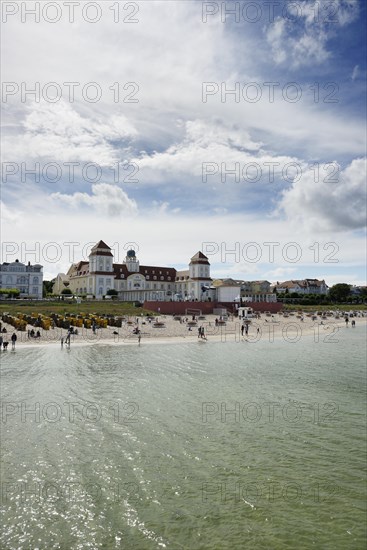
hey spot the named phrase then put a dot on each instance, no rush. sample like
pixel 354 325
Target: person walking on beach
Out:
pixel 67 339
pixel 242 329
pixel 13 340
pixel 139 337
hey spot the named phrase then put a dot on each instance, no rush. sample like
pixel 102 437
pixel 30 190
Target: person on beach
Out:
pixel 242 329
pixel 13 340
pixel 139 337
pixel 1 342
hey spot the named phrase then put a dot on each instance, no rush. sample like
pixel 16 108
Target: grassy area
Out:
pixel 334 307
pixel 61 307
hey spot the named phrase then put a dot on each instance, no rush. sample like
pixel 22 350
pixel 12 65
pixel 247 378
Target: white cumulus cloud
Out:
pixel 105 199
pixel 336 202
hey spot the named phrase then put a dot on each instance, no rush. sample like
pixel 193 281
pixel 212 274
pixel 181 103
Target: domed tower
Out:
pixel 101 258
pixel 132 263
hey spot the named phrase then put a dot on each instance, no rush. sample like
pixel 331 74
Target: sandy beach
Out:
pixel 290 328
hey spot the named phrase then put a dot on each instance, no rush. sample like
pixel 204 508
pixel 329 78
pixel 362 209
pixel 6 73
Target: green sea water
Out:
pixel 225 445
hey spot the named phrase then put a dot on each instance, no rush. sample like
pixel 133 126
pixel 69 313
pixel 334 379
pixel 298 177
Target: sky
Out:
pixel 234 128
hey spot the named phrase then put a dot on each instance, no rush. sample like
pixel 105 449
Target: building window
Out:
pixel 147 277
pixel 35 290
pixel 155 277
pixel 162 278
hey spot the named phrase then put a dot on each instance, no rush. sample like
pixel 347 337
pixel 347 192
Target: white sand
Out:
pixel 290 328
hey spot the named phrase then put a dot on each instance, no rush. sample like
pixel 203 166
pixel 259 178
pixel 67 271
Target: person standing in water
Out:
pixel 13 340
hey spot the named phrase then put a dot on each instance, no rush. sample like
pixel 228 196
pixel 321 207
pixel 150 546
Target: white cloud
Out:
pixel 210 142
pixel 106 199
pixel 337 202
pixel 355 72
pixel 280 273
pixel 57 131
pixel 9 215
pixel 301 36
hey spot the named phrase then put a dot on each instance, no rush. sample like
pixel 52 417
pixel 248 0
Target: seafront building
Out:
pixel 28 279
pixel 132 281
pixel 304 286
pixel 135 282
pixel 230 290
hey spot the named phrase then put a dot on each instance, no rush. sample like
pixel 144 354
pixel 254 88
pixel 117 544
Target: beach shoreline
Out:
pixel 290 329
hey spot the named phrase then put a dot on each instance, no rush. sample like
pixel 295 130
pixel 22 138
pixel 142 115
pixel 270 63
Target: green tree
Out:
pixel 10 292
pixel 339 292
pixel 112 292
pixel 47 287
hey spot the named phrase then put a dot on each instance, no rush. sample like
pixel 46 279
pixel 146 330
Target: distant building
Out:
pixel 195 282
pixel 358 290
pixel 28 279
pixel 230 290
pixel 258 291
pixel 135 282
pixel 302 286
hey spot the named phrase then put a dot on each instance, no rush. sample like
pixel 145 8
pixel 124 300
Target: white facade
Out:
pixel 303 286
pixel 135 282
pixel 228 293
pixel 28 279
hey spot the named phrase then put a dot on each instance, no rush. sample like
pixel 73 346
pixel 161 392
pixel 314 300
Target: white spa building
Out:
pixel 135 282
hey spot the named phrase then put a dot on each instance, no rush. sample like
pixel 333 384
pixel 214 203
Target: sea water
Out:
pixel 224 445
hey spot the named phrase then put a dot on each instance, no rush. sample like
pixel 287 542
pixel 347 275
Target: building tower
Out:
pixel 199 270
pixel 101 259
pixel 132 263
